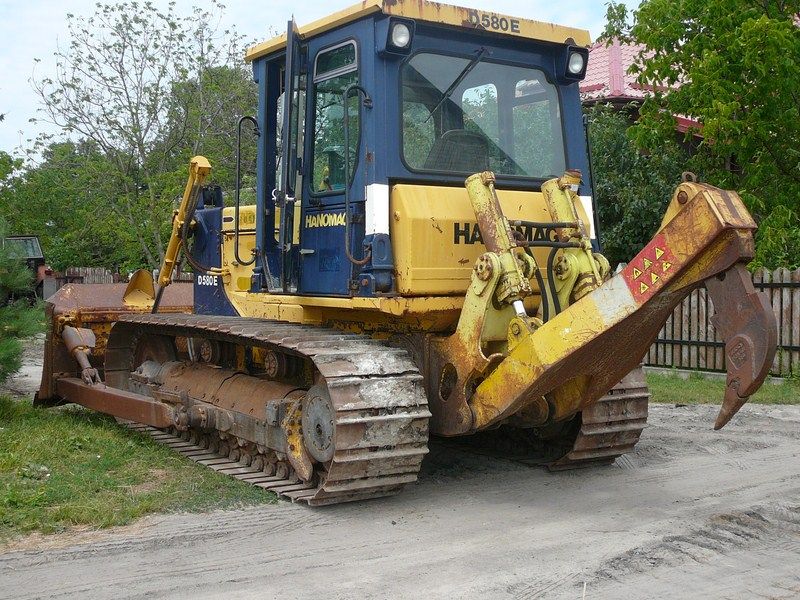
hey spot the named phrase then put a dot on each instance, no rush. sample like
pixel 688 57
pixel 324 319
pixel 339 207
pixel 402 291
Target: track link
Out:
pixel 598 436
pixel 611 426
pixel 381 412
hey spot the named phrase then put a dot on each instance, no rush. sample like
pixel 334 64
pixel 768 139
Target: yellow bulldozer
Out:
pixel 422 258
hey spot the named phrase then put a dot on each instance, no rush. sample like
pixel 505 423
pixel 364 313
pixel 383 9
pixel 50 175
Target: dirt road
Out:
pixel 692 514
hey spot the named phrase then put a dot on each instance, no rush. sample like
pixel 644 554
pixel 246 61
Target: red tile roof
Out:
pixel 607 79
pixel 607 75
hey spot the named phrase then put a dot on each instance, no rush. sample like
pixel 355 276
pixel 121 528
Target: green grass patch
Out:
pixel 672 389
pixel 70 466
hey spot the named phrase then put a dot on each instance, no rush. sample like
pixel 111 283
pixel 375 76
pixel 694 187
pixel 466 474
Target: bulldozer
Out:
pixel 422 259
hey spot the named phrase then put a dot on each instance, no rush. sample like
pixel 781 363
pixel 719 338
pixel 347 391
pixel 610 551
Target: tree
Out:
pixel 732 65
pixel 632 188
pixel 133 81
pixel 63 200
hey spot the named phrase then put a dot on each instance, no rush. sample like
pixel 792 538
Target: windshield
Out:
pixel 499 117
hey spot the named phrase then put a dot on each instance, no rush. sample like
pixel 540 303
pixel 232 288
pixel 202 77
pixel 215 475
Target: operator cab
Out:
pixel 370 121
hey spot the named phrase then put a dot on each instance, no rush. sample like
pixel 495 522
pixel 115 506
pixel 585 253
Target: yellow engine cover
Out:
pixel 436 241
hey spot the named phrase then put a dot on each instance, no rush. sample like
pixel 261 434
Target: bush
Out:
pixel 17 320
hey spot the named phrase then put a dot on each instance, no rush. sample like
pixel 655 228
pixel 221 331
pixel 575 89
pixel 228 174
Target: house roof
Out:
pixel 607 77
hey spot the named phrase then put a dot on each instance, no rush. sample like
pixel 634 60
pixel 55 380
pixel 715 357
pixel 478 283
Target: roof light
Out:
pixel 401 35
pixel 574 60
pixel 397 35
pixel 576 63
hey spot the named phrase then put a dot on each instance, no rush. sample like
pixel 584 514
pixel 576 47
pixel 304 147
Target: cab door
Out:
pixel 289 180
pixel 325 268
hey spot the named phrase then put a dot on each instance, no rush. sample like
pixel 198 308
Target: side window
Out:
pixel 334 70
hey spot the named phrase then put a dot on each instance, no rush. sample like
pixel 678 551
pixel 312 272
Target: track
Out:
pixel 381 413
pixel 611 426
pixel 601 434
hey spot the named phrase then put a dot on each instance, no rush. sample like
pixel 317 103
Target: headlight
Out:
pixel 401 35
pixel 576 63
pixel 573 64
pixel 398 35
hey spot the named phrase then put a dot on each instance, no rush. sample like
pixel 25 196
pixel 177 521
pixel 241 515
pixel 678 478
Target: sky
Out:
pixel 32 29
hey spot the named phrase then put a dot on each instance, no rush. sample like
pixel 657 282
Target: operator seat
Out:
pixel 459 150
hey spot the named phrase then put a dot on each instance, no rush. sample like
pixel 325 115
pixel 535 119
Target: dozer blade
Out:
pixel 745 320
pixel 581 353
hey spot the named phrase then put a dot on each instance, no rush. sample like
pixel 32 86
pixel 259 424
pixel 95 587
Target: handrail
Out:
pixel 367 101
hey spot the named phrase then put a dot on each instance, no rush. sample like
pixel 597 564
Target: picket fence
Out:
pixel 689 340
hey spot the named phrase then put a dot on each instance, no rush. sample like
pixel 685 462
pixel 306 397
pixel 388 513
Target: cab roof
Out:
pixel 433 12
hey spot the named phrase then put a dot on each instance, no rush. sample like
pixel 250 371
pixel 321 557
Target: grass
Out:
pixel 672 389
pixel 69 466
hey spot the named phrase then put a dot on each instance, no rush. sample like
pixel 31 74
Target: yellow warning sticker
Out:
pixel 659 253
pixel 643 287
pixel 636 273
pixel 653 277
pixel 665 266
pixel 647 263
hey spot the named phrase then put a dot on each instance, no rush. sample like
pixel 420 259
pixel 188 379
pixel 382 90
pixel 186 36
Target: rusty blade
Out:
pixel 745 320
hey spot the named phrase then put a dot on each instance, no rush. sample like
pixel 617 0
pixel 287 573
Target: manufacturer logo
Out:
pixel 469 233
pixel 325 220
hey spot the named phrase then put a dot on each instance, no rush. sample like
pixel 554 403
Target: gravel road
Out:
pixel 691 514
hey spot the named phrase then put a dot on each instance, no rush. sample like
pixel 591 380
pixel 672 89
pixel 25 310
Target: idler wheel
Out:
pixel 319 424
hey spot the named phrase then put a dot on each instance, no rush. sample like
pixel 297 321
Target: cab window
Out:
pixel 464 115
pixel 334 70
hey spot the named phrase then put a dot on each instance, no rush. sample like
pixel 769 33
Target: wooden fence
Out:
pixel 92 275
pixel 689 340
